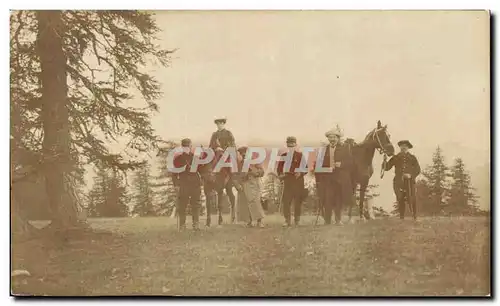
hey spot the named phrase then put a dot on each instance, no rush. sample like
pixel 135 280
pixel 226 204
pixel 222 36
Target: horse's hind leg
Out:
pixel 211 197
pixel 352 202
pixel 232 199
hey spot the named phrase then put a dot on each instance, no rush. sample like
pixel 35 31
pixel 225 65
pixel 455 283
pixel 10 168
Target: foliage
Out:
pixel 108 196
pixel 463 200
pixel 143 192
pixel 105 54
pixel 436 176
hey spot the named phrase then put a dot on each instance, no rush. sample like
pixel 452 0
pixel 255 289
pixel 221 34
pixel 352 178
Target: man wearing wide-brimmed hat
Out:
pixel 334 187
pixel 407 169
pixel 293 181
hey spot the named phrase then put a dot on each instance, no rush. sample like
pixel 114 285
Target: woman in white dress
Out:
pixel 249 206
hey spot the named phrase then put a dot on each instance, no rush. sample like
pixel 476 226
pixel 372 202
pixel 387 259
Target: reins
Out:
pixel 381 150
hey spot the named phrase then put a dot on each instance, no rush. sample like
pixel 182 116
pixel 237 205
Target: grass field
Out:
pixel 147 256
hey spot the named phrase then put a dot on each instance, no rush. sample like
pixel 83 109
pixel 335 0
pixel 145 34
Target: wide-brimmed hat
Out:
pixel 336 131
pixel 220 119
pixel 405 142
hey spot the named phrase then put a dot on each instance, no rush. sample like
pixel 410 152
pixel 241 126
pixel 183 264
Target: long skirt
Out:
pixel 249 207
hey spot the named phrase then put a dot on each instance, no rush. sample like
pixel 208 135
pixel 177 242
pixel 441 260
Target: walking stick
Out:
pixel 409 195
pixel 177 209
pixel 320 209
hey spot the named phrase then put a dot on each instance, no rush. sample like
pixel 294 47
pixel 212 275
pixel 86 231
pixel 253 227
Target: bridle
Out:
pixel 380 149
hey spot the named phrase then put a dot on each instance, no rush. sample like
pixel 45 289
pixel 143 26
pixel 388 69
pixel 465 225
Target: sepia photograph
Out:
pixel 236 153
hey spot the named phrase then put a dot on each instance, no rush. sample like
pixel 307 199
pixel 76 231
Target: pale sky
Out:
pixel 275 74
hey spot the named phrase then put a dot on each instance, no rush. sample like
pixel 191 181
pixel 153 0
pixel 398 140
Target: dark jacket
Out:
pixel 404 163
pixel 296 160
pixel 186 177
pixel 223 138
pixel 343 156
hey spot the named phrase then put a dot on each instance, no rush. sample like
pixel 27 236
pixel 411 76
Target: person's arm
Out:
pixel 213 141
pixel 300 156
pixel 416 168
pixel 175 176
pixel 231 141
pixel 390 163
pixel 280 167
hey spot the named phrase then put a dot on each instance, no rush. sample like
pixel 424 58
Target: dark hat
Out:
pixel 221 119
pixel 291 139
pixel 405 142
pixel 185 142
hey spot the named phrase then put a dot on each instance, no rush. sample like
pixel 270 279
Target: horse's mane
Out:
pixel 351 142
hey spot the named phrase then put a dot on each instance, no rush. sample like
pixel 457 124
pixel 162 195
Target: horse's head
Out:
pixel 381 139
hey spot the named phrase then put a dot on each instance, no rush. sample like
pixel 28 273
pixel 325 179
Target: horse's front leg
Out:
pixel 362 191
pixel 220 195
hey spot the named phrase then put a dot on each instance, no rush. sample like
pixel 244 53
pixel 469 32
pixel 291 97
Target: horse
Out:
pixel 362 155
pixel 214 184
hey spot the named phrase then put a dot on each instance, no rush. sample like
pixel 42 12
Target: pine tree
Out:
pixel 143 193
pixel 436 176
pixel 117 197
pixel 71 75
pixel 97 195
pixel 165 196
pixel 463 200
pixel 108 196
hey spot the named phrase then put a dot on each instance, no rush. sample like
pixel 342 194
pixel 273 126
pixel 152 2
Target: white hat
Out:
pixel 223 119
pixel 335 131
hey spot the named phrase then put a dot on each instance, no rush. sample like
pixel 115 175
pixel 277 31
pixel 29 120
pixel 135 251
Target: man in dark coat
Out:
pixel 293 189
pixel 334 187
pixel 188 185
pixel 407 169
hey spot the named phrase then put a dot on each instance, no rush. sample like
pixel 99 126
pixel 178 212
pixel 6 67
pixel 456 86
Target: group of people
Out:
pixel 334 187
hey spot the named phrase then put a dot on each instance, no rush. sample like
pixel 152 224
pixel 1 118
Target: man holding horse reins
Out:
pixel 407 169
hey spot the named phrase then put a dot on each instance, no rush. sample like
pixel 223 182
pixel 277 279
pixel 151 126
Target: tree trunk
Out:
pixel 55 118
pixel 20 225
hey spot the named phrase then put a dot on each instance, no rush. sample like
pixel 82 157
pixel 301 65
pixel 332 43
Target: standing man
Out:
pixel 293 190
pixel 188 185
pixel 407 170
pixel 334 186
